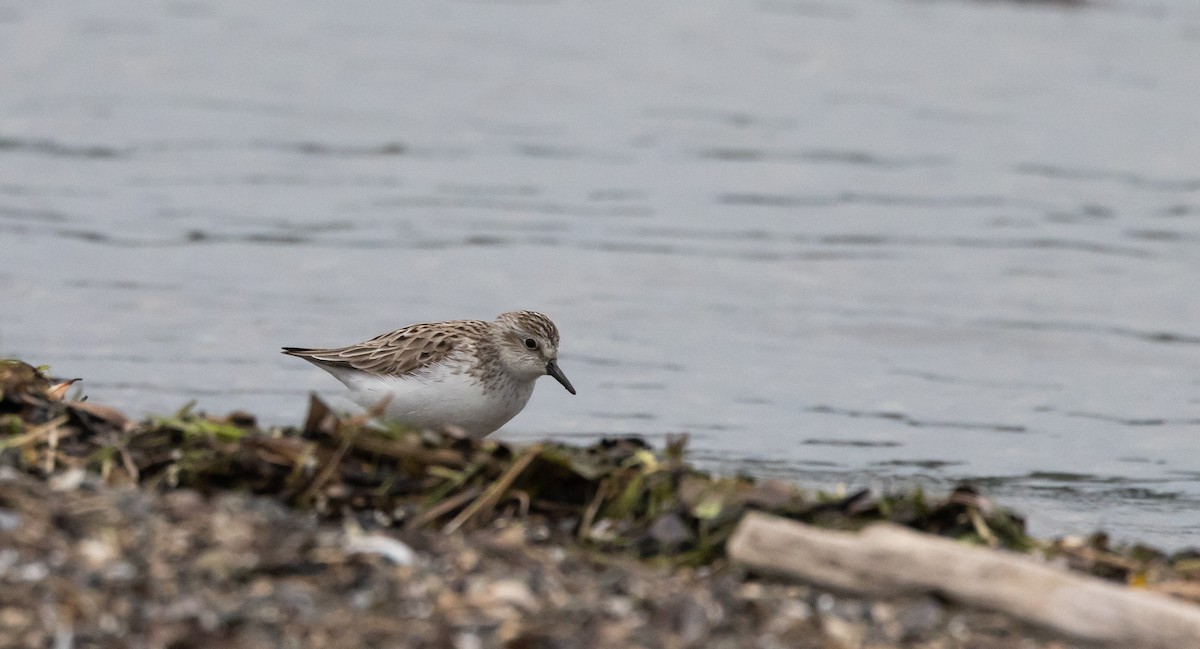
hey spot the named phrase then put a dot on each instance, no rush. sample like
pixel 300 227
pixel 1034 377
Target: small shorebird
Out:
pixel 473 374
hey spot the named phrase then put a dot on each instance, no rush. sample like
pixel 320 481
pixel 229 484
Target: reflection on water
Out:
pixel 877 244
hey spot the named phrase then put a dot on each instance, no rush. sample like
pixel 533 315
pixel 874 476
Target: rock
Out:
pixel 668 534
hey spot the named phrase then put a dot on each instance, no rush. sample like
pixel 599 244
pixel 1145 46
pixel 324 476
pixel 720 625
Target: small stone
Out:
pixel 468 641
pixel 467 560
pixel 603 531
pixel 36 571
pixel 843 634
pixel 751 590
pixel 511 537
pixel 120 571
pixel 510 592
pixel 795 610
pixel 618 607
pixel 958 628
pixel 68 480
pixel 919 619
pixel 881 612
pixel 691 621
pixel 14 618
pixel 9 520
pixel 8 559
pixel 668 534
pixel 96 553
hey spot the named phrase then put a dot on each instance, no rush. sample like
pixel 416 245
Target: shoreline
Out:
pixel 191 530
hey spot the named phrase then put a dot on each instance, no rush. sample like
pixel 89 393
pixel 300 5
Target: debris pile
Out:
pixel 614 495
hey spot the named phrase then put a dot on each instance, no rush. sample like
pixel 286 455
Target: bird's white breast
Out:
pixel 441 396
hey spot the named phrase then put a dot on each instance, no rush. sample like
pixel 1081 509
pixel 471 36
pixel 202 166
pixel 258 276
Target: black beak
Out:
pixel 552 370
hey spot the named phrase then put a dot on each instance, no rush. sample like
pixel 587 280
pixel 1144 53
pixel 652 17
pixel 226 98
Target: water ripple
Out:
pixel 1164 337
pixel 55 148
pixel 1108 175
pixel 914 422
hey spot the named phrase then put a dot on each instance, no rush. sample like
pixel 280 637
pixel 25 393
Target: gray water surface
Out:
pixel 880 242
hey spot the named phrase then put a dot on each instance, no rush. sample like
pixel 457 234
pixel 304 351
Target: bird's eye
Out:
pixel 530 343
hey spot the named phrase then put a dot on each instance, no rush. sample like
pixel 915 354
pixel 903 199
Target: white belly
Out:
pixel 445 399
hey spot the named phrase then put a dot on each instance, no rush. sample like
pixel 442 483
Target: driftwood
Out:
pixel 887 560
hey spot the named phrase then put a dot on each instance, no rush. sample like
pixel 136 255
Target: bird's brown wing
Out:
pixel 400 352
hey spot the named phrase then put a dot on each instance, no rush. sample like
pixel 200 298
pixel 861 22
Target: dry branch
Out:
pixel 888 560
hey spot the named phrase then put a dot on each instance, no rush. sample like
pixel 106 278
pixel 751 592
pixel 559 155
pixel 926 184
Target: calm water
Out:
pixel 875 242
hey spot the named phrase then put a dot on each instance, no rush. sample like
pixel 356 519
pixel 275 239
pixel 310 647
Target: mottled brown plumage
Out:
pixel 403 351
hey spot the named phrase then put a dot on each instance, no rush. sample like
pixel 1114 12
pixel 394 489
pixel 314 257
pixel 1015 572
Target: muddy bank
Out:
pixel 196 531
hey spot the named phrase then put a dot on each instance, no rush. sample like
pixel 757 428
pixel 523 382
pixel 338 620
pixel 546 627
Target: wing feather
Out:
pixel 400 352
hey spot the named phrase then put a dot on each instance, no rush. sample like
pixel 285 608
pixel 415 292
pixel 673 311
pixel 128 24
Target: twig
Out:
pixel 496 490
pixel 447 505
pixel 593 508
pixel 51 450
pixel 522 498
pixel 331 465
pixel 981 527
pixel 33 434
pixel 401 451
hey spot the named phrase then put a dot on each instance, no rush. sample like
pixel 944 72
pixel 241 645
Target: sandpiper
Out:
pixel 472 374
